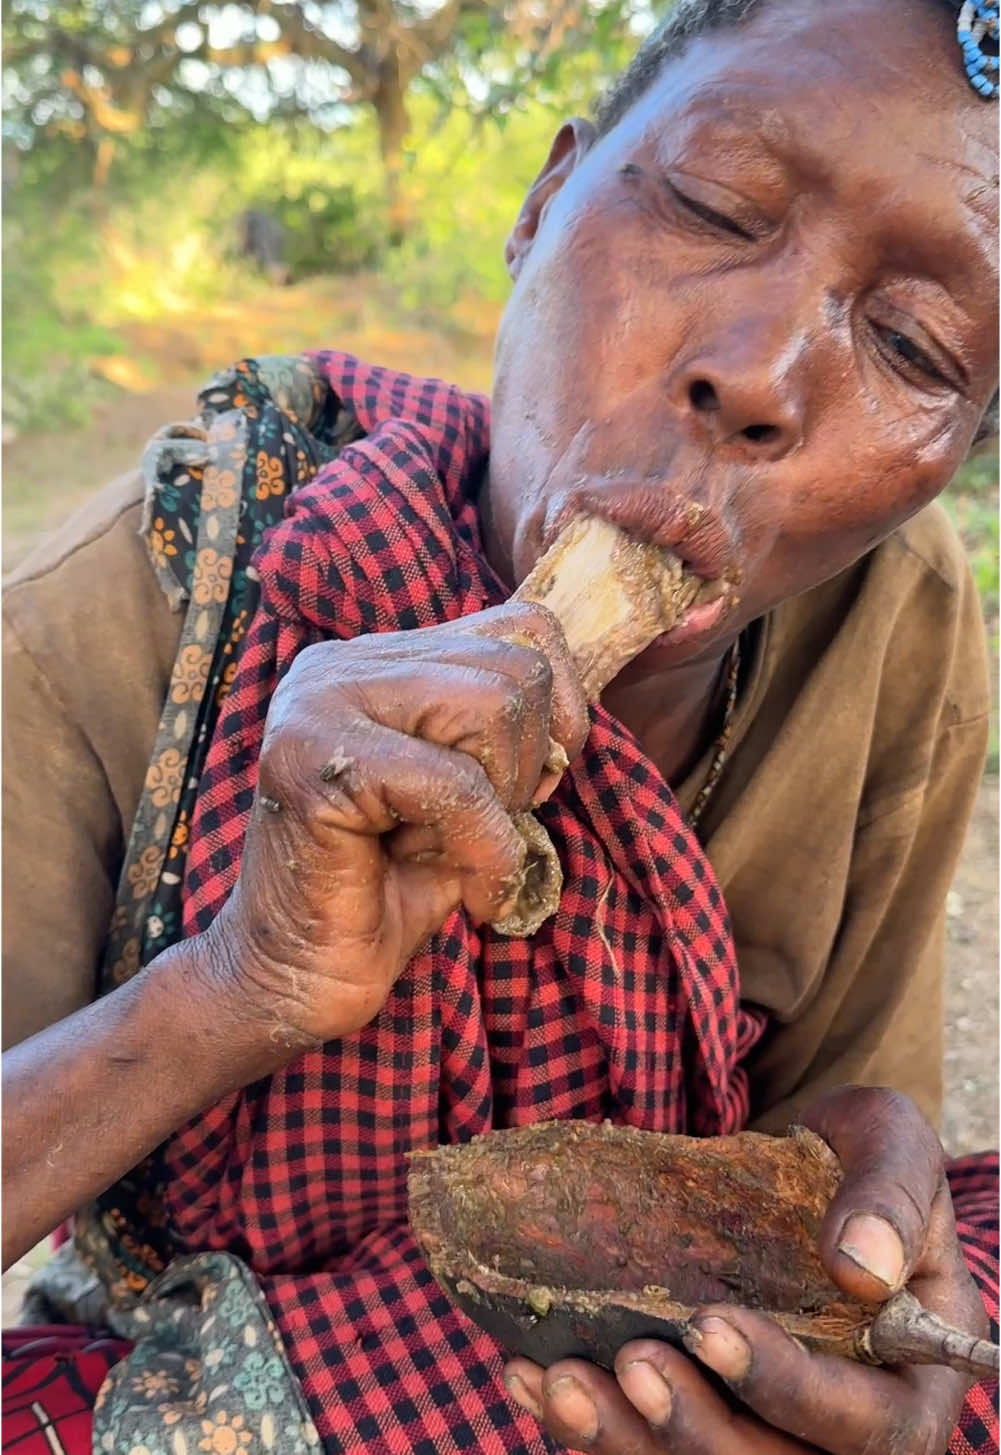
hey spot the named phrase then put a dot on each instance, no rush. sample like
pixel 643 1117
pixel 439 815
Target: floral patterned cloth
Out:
pixel 215 1379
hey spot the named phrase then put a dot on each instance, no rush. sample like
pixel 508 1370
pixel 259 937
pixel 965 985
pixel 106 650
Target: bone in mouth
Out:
pixel 613 595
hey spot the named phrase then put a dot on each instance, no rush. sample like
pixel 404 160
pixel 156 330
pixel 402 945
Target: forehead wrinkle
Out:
pixel 705 112
pixel 849 95
pixel 983 173
pixel 954 164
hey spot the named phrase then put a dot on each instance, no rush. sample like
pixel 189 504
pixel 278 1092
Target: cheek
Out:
pixel 598 309
pixel 880 487
pixel 846 505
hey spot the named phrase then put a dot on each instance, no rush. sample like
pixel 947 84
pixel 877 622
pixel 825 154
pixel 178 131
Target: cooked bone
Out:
pixel 612 595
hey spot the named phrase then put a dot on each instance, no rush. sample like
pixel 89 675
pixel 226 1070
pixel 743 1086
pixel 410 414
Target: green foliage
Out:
pixel 972 502
pixel 465 181
pixel 84 266
pixel 128 214
pixel 324 189
pixel 325 229
pixel 48 344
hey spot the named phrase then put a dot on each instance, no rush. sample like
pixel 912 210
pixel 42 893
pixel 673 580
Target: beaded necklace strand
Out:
pixel 723 740
pixel 977 33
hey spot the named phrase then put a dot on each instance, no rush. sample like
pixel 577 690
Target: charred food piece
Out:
pixel 568 1238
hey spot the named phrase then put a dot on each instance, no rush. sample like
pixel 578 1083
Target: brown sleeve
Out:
pixel 878 1019
pixel 62 838
pixel 876 1016
pixel 89 642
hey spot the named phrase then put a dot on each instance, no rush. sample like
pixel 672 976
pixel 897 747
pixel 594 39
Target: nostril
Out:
pixel 703 396
pixel 760 433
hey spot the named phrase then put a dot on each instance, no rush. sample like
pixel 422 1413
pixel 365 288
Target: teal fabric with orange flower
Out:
pixel 273 419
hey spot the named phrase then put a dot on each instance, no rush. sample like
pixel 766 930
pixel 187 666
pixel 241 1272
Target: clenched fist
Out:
pixel 390 767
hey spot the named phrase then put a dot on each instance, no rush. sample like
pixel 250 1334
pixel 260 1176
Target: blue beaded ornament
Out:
pixel 977 24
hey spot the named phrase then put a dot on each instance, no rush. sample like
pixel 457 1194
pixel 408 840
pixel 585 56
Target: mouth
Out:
pixel 693 532
pixel 700 617
pixel 696 548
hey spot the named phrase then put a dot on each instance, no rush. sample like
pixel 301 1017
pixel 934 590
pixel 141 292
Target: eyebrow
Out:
pixel 760 132
pixel 964 254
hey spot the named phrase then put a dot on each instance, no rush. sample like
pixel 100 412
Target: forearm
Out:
pixel 89 1097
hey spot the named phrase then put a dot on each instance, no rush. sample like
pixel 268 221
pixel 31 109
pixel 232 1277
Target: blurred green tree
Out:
pixel 95 73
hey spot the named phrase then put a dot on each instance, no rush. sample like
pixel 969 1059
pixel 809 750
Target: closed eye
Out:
pixel 708 215
pixel 906 356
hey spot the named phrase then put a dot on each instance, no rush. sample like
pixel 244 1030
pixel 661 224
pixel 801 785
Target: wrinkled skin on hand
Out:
pixel 745 1387
pixel 388 773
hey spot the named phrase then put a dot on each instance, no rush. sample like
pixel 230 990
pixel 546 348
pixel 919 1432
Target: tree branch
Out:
pixel 307 41
pixel 433 34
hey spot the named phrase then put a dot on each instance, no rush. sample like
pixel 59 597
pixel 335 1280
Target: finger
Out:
pixel 374 780
pixel 523 1382
pixel 498 717
pixel 670 1407
pixel 693 1413
pixel 528 622
pixel 875 1228
pixel 830 1402
pixel 510 639
pixel 491 699
pixel 582 1407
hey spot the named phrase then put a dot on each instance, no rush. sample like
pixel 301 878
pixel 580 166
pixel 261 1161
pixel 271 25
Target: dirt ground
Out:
pixel 38 496
pixel 970 1118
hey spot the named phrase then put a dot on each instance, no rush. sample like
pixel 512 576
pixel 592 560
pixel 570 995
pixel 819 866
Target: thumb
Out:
pixel 877 1224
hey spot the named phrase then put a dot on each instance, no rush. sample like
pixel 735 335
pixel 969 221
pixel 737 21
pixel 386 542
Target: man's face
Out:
pixel 757 320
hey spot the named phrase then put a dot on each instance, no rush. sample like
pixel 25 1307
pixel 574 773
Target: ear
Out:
pixel 573 140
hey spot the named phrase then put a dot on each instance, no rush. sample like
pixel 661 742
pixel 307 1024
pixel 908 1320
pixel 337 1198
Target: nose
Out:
pixel 743 397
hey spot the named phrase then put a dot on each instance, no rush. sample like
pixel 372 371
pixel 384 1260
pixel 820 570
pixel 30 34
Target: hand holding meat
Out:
pixel 389 771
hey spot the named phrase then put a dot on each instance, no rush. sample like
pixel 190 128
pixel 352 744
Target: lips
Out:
pixel 695 532
pixel 700 617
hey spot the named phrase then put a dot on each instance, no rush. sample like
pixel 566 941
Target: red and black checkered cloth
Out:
pixel 973 1182
pixel 625 1005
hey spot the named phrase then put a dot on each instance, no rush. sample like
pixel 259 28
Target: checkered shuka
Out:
pixel 624 1005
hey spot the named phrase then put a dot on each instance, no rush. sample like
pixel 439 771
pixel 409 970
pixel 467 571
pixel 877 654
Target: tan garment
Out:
pixel 834 831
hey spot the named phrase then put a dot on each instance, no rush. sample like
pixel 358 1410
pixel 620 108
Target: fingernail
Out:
pixel 548 784
pixel 875 1246
pixel 718 1345
pixel 556 759
pixel 574 1407
pixel 646 1388
pixel 520 1393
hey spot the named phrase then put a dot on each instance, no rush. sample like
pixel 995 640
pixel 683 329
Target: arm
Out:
pixel 382 806
pixel 116 1078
